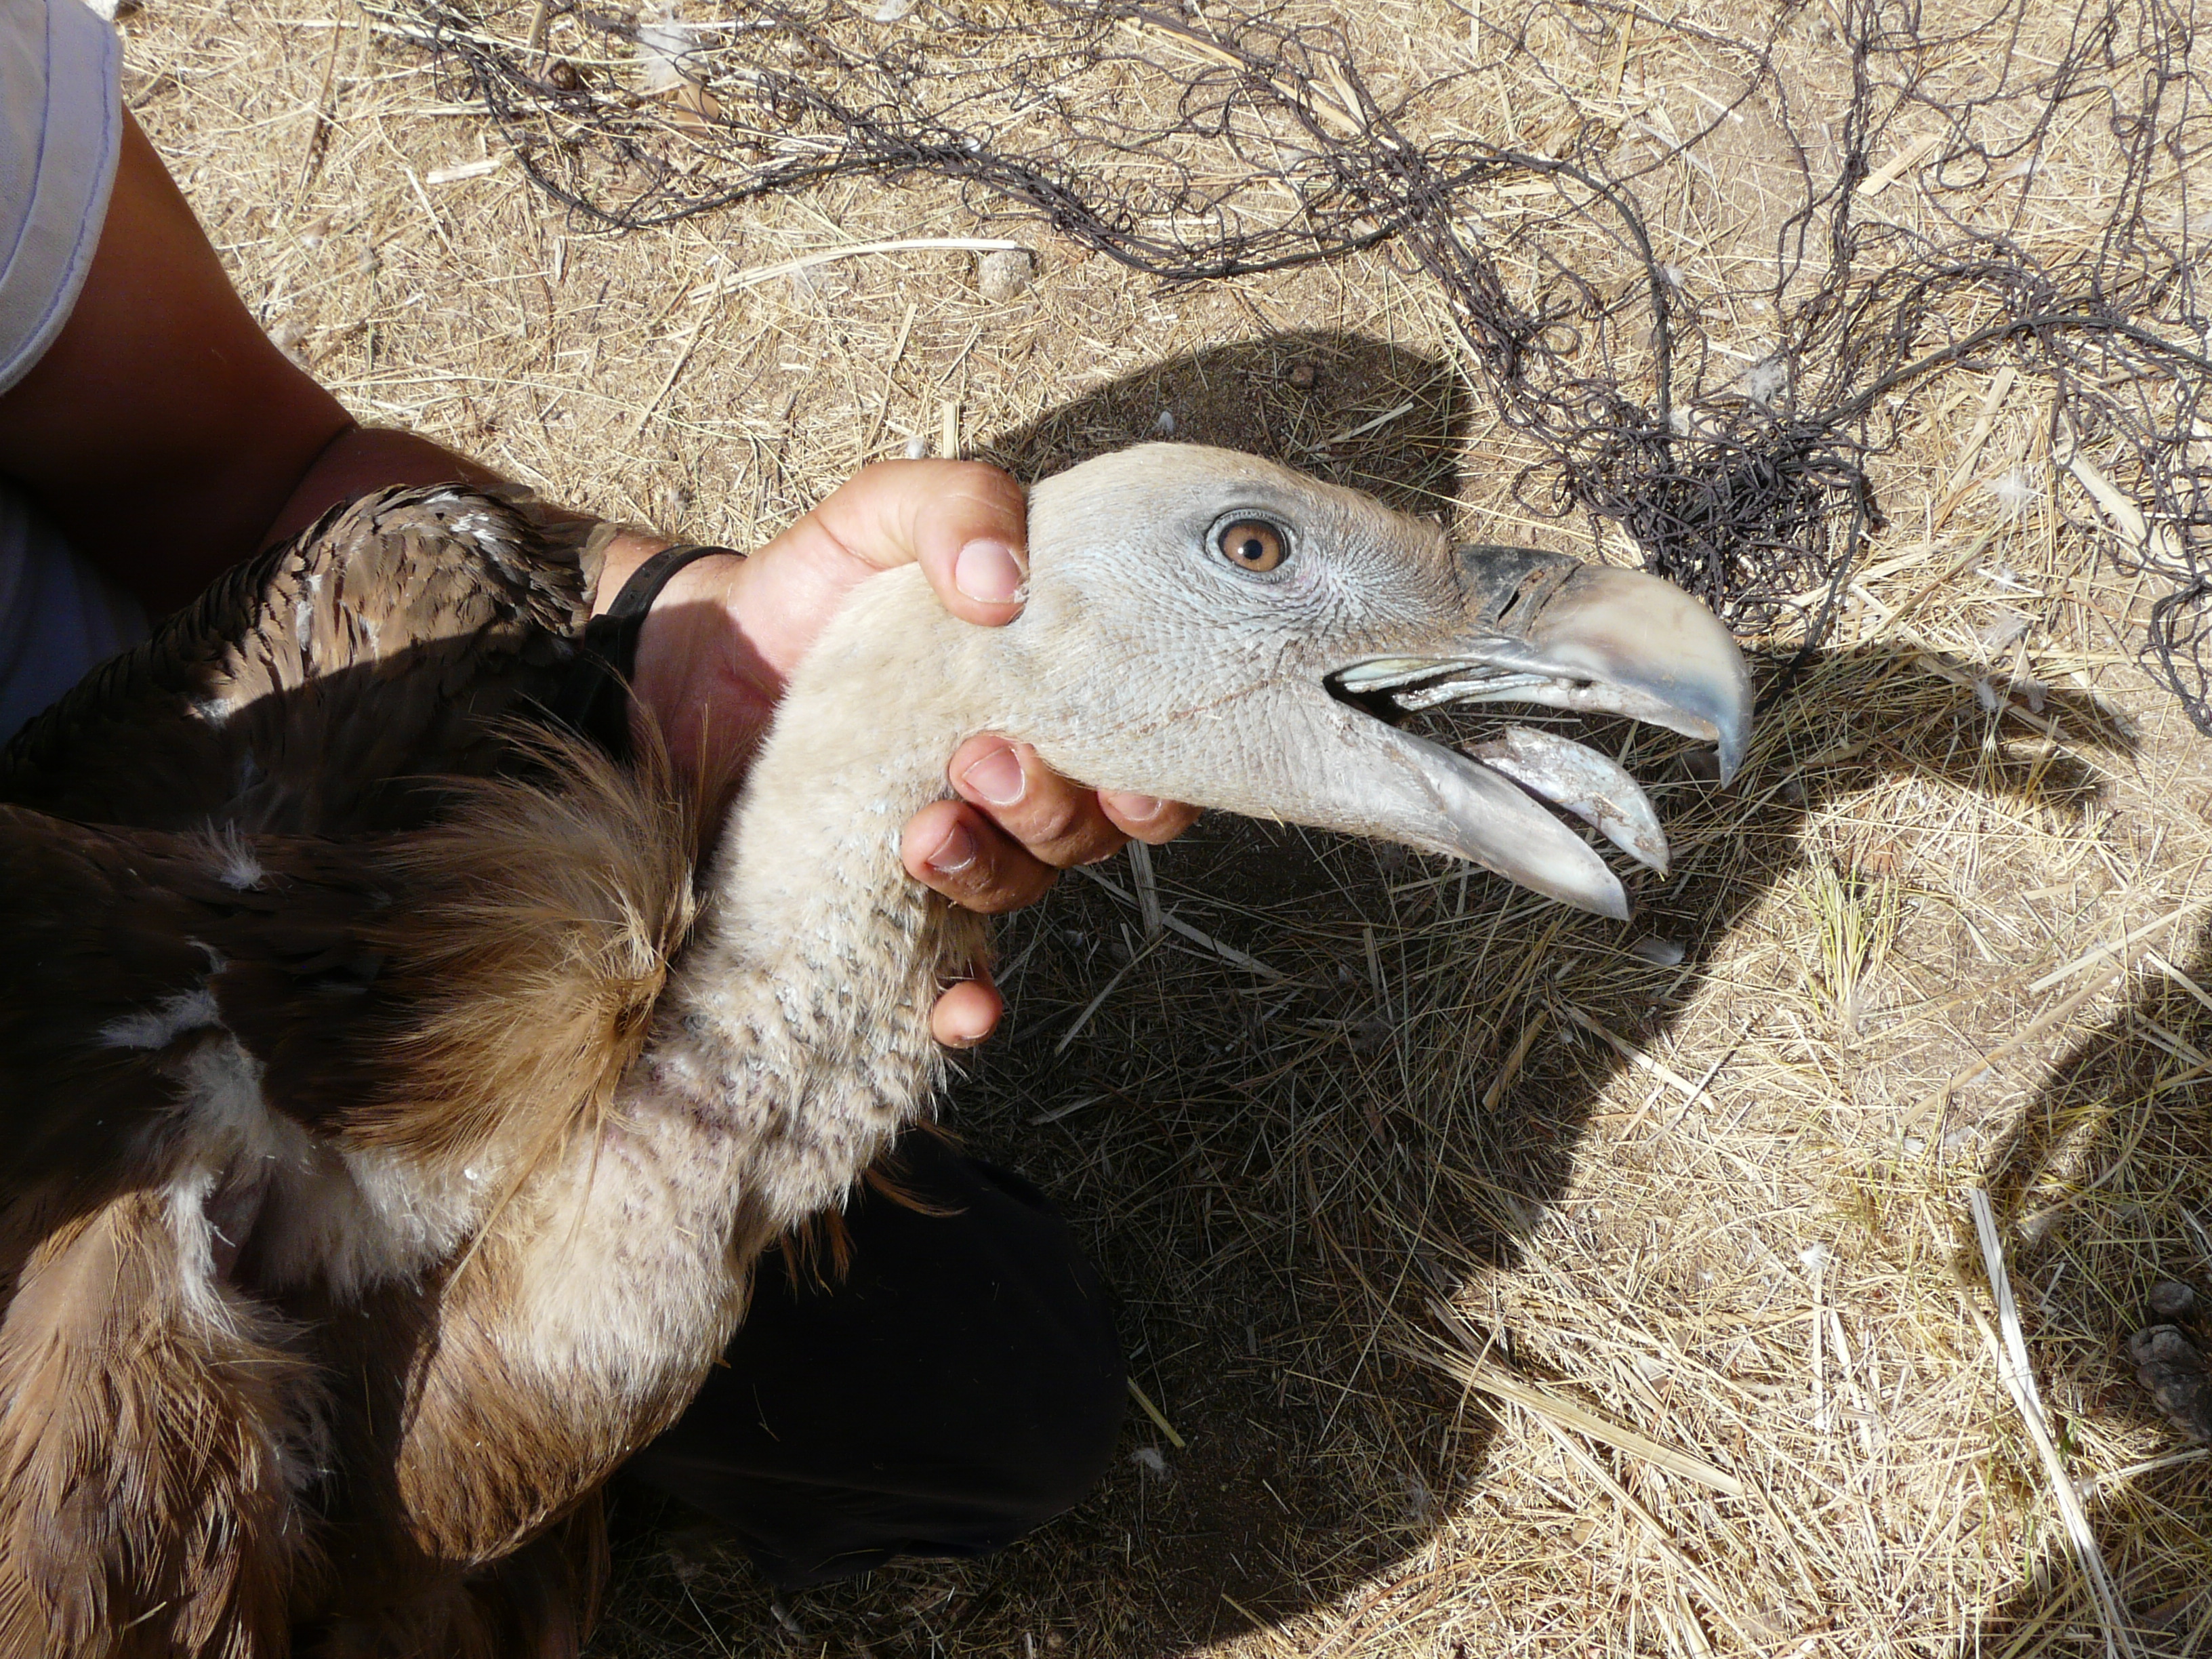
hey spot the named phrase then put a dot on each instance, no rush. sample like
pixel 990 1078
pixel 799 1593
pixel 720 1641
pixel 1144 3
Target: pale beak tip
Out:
pixel 1610 899
pixel 1716 696
pixel 1735 745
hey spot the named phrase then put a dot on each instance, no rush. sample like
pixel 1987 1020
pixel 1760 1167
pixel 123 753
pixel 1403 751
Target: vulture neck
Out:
pixel 789 1048
pixel 799 1014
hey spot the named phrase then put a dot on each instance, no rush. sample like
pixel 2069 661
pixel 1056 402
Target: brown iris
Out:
pixel 1253 543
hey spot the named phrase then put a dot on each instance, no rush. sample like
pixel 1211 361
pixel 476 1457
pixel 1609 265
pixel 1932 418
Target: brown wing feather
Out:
pixel 314 688
pixel 351 685
pixel 491 975
pixel 151 1430
pixel 118 944
pixel 520 972
pixel 482 982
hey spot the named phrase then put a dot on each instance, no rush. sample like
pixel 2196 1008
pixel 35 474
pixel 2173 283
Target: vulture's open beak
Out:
pixel 1542 629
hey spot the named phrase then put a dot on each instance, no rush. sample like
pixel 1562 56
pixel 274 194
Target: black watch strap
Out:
pixel 593 701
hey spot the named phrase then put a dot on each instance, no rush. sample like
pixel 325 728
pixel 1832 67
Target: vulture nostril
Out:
pixel 1520 591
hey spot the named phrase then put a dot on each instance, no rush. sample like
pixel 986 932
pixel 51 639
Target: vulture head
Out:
pixel 1208 627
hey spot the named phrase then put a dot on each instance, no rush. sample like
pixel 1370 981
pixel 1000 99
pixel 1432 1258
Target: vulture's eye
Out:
pixel 1251 544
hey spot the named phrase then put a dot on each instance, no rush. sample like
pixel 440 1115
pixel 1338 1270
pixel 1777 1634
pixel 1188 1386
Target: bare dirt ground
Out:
pixel 1501 1280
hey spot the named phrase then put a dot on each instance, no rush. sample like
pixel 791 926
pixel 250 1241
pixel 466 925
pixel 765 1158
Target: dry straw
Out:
pixel 1295 1095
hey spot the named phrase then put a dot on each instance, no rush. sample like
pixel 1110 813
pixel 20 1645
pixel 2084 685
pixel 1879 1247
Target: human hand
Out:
pixel 724 636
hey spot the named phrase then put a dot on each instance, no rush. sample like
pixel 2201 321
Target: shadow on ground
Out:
pixel 2104 1186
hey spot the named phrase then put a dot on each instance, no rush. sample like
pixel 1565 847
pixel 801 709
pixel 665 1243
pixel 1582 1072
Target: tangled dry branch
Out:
pixel 1724 416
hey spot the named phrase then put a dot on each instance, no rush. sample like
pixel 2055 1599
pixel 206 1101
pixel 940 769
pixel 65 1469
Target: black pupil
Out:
pixel 1252 546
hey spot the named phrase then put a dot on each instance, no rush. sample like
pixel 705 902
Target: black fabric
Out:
pixel 961 1385
pixel 595 699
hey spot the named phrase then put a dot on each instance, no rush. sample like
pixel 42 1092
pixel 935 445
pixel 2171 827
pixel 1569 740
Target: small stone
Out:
pixel 563 76
pixel 2172 1299
pixel 2173 1368
pixel 1303 375
pixel 1004 274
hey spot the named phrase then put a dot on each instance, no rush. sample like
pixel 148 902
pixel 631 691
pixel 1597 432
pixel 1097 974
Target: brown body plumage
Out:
pixel 392 1114
pixel 428 959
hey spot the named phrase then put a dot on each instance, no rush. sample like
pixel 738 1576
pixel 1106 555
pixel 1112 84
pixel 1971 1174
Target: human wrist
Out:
pixel 686 679
pixel 630 549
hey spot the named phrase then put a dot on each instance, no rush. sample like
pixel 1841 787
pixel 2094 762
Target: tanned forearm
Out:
pixel 161 431
pixel 167 436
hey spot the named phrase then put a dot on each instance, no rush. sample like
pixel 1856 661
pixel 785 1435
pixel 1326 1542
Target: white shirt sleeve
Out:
pixel 61 129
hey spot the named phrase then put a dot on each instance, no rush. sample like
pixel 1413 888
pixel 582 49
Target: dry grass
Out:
pixel 1707 1215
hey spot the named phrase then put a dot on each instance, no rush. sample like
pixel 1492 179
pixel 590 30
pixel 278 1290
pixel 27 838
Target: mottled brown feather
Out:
pixel 475 988
pixel 145 1507
pixel 322 687
pixel 308 843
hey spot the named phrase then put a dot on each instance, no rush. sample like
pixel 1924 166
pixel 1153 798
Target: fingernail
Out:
pixel 1134 808
pixel 988 571
pixel 997 778
pixel 954 853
